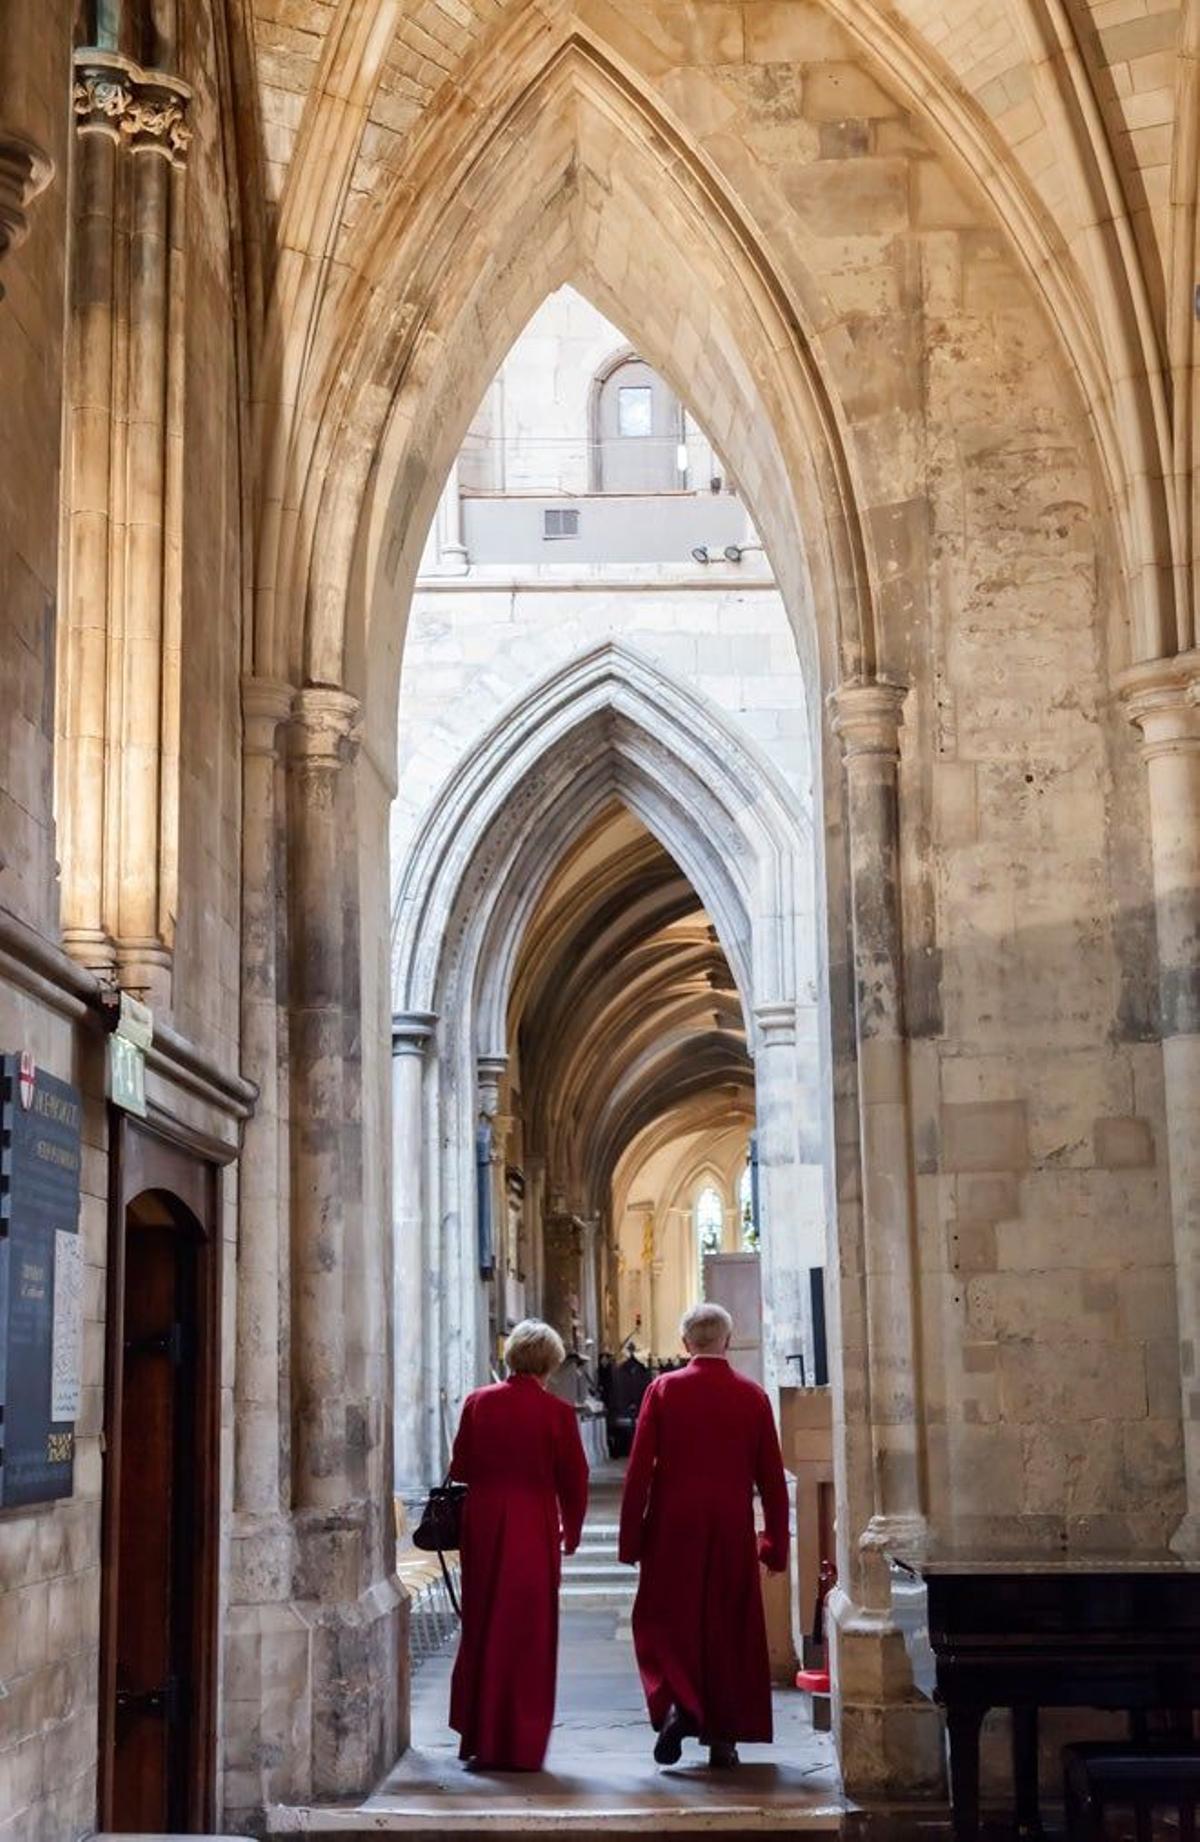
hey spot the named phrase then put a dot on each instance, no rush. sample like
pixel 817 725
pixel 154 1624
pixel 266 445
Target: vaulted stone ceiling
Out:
pixel 624 1008
pixel 1049 81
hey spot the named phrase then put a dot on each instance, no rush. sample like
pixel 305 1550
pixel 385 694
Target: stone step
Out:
pixel 583 1824
pixel 594 1598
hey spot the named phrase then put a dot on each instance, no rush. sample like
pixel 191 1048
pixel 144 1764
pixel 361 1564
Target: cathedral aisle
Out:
pixel 599 1771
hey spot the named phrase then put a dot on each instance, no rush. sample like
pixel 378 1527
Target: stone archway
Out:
pixel 606 726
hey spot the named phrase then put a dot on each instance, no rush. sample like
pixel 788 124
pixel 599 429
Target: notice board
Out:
pixel 41 1283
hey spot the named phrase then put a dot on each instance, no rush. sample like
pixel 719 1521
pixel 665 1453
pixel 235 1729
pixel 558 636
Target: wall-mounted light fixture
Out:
pixel 735 552
pixel 700 553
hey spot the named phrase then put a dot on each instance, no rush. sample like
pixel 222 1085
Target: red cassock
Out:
pixel 705 1439
pixel 519 1452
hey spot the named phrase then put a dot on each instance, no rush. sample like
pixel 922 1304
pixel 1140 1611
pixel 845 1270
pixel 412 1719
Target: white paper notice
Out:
pixel 67 1347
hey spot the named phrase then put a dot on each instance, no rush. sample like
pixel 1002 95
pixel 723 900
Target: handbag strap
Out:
pixel 450 1586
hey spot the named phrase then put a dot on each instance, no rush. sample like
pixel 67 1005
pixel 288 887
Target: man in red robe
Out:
pixel 705 1441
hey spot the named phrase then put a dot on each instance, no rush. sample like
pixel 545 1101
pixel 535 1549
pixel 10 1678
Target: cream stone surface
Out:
pixel 924 277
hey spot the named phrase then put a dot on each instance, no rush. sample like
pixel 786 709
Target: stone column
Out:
pixel 889 1739
pixel 1163 699
pixel 267 1641
pixel 323 743
pixel 563 1248
pixel 119 689
pixel 535 1202
pixel 414 1251
pixel 589 1302
pixel 257 1480
pixel 344 1584
pixel 867 719
pixel 791 1187
pixel 451 550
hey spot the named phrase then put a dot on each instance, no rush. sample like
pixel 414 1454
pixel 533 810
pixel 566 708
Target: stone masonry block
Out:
pixel 844 92
pixel 1123 1144
pixel 988 1199
pixel 988 1135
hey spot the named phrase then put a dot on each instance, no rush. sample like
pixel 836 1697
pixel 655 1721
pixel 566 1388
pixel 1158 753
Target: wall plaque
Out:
pixel 41 1283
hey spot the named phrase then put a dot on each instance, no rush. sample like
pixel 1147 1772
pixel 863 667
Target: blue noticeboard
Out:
pixel 41 1283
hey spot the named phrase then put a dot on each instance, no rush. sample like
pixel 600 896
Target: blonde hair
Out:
pixel 533 1348
pixel 706 1329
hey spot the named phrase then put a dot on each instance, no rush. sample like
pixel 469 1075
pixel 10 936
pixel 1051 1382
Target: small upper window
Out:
pixel 560 521
pixel 750 1236
pixel 635 410
pixel 710 1221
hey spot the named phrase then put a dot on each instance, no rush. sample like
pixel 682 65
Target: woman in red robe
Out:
pixel 705 1441
pixel 519 1452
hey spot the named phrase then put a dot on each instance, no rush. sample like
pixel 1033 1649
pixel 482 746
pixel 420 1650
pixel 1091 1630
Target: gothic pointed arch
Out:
pixel 609 723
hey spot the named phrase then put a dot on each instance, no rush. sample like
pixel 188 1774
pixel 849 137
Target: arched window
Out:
pixel 638 431
pixel 710 1222
pixel 746 1210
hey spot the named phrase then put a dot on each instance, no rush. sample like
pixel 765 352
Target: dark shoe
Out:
pixel 723 1755
pixel 671 1735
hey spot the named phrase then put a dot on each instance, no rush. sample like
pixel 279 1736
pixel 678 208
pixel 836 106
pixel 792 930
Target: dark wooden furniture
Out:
pixel 1097 1777
pixel 1085 1631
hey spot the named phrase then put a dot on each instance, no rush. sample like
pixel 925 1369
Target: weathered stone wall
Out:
pixel 50 1557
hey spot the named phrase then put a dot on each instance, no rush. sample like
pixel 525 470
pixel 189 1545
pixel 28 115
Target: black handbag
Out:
pixel 440 1528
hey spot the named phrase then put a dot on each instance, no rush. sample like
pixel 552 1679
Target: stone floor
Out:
pixel 599 1771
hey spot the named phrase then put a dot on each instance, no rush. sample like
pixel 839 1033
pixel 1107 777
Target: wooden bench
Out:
pixel 1130 1776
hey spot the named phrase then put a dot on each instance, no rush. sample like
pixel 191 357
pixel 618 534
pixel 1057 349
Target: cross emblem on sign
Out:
pixel 28 1078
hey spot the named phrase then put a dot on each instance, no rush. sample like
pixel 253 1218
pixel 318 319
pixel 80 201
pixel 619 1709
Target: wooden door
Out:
pixel 159 1573
pixel 157 1514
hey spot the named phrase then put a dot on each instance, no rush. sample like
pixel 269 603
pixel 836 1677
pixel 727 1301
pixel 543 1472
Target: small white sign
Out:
pixel 66 1357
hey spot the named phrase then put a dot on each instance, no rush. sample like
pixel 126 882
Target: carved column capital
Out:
pixel 1162 697
pixel 867 714
pixel 326 726
pixel 24 172
pixel 775 1024
pixel 145 110
pixel 266 703
pixel 489 1074
pixel 412 1032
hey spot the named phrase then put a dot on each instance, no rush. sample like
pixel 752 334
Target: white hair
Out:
pixel 533 1348
pixel 706 1329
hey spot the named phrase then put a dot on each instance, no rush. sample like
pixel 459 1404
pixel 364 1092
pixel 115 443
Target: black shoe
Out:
pixel 669 1744
pixel 723 1755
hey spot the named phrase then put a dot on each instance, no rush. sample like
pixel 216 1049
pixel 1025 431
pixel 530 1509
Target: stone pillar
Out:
pixel 267 1641
pixel 344 1582
pixel 1163 699
pixel 119 689
pixel 535 1203
pixel 589 1301
pixel 889 1738
pixel 452 552
pixel 563 1248
pixel 415 1255
pixel 261 1259
pixel 791 1187
pixel 324 741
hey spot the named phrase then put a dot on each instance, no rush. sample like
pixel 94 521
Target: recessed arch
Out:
pixel 607 727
